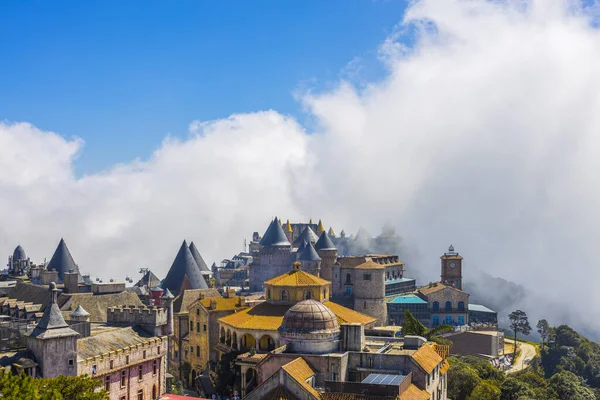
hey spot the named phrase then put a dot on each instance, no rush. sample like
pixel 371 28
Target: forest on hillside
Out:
pixel 566 368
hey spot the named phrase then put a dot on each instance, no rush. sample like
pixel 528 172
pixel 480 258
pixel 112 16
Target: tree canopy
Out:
pixel 19 387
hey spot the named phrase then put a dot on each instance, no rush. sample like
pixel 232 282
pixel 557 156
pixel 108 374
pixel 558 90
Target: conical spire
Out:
pixel 308 235
pixel 325 243
pixel 331 232
pixel 309 253
pixel 63 262
pixel 310 222
pixel 184 269
pixel 302 247
pixel 52 324
pixel 288 226
pixel 198 258
pixel 320 228
pixel 274 236
pixel 80 312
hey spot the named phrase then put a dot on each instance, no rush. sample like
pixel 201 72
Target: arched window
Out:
pixel 285 296
pixel 461 306
pixel 324 293
pixel 307 295
pixel 436 305
pixel 348 278
pixel 448 306
pixel 268 293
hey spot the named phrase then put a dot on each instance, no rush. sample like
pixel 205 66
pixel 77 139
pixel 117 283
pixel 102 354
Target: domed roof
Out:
pixel 309 316
pixel 19 254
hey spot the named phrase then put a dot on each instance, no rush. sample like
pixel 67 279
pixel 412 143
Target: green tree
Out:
pixel 486 390
pixel 462 380
pixel 413 326
pixel 514 389
pixel 569 386
pixel 543 329
pixel 519 324
pixel 59 388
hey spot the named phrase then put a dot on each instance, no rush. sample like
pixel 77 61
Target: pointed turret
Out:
pixel 331 232
pixel 288 226
pixel 310 222
pixel 302 247
pixel 325 243
pixel 63 262
pixel 309 253
pixel 308 235
pixel 198 258
pixel 320 228
pixel 184 272
pixel 274 236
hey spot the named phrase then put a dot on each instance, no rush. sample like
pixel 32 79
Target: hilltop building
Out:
pixel 322 358
pixel 127 354
pixel 260 328
pixel 364 282
pixel 279 247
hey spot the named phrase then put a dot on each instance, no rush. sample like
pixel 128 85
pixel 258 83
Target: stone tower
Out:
pixel 328 253
pixel 452 268
pixel 273 257
pixel 18 263
pixel 167 302
pixel 53 343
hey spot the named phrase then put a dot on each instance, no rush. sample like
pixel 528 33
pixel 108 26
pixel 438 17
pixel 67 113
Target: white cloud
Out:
pixel 484 135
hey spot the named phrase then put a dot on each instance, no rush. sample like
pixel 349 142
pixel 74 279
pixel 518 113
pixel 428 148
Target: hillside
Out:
pixel 568 368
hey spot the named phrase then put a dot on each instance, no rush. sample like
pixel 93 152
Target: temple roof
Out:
pixel 184 272
pixel 309 253
pixel 274 235
pixel 325 243
pixel 308 235
pixel 198 258
pixel 63 262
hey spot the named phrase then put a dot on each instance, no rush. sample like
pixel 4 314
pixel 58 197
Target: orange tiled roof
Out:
pixel 370 265
pixel 295 278
pixel 222 303
pixel 301 371
pixel 353 396
pixel 263 316
pixel 346 315
pixel 279 393
pixel 445 367
pixel 268 317
pixel 427 358
pixel 414 393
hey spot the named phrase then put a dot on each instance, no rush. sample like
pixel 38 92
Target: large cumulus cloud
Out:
pixel 482 134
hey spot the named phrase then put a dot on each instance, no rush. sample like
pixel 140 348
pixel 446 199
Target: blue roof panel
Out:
pixel 480 308
pixel 408 299
pixel 384 379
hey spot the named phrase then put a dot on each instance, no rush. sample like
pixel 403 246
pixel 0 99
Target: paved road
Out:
pixel 527 354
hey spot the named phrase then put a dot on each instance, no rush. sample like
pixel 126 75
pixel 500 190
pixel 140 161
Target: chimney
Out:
pixel 71 280
pixel 241 301
pixel 213 304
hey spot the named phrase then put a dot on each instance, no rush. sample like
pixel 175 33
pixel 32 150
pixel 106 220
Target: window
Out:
pixel 198 327
pixel 144 354
pixel 71 362
pixel 268 294
pixel 94 369
pixel 154 367
pixel 461 306
pixel 191 326
pixel 127 358
pixel 112 364
pixel 158 350
pixel 186 354
pixel 204 327
pixel 107 383
pixel 348 290
pixel 435 306
pixel 325 293
pixel 448 306
pixel 366 277
pixel 348 278
pixel 123 378
pixel 435 321
pixel 154 392
pixel 197 311
pixel 140 395
pixel 307 295
pixel 457 284
pixel 448 320
pixel 461 320
pixel 140 372
pixel 284 295
pixel 176 354
pixel 333 376
pixel 197 351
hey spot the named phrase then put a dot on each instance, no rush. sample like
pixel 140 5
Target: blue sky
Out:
pixel 123 74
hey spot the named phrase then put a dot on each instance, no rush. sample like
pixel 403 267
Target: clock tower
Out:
pixel 452 268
